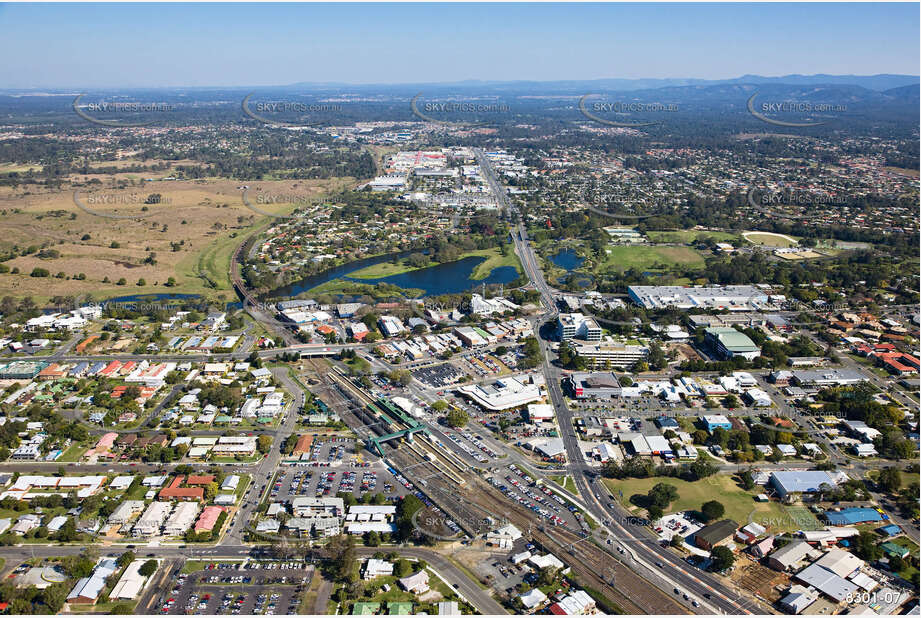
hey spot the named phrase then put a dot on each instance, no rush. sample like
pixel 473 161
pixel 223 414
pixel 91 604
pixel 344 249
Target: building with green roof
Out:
pixel 894 549
pixel 729 343
pixel 399 608
pixel 365 609
pixel 21 370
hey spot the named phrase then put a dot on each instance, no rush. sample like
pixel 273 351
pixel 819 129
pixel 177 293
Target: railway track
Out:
pixel 440 489
pixel 594 566
pixel 478 500
pixel 451 469
pixel 468 500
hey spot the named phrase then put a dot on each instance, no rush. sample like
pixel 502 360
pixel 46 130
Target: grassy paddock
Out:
pixel 342 286
pixel 740 504
pixel 195 230
pixel 73 453
pixel 494 259
pixel 645 257
pixel 566 483
pixel 689 236
pixel 385 269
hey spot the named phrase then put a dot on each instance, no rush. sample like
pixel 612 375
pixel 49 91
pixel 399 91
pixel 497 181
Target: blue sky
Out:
pixel 129 45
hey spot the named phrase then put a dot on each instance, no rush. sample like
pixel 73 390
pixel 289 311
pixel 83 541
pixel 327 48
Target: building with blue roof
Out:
pixel 96 368
pixel 667 422
pixel 79 370
pixel 889 530
pixel 716 421
pixel 852 516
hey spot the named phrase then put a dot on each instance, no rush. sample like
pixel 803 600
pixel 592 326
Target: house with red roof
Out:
pixel 208 518
pixel 103 447
pixel 199 480
pixel 51 372
pixel 110 369
pixel 175 491
pixel 898 363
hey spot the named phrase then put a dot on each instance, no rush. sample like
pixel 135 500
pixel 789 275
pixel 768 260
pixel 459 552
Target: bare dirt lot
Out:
pixel 758 579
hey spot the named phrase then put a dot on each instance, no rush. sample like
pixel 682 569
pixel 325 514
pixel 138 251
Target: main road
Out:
pixel 640 552
pixel 453 575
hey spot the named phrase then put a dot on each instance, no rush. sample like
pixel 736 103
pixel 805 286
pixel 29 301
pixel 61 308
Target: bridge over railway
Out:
pixel 374 444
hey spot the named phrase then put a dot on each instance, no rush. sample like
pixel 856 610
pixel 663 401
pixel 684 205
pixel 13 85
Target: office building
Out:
pixel 610 355
pixel 578 326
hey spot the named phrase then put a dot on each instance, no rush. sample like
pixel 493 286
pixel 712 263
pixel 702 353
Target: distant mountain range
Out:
pixel 880 82
pixel 718 94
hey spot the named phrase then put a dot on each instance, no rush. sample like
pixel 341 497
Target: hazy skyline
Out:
pixel 119 45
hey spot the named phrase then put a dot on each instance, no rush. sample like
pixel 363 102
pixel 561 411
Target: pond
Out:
pixel 567 259
pixel 580 280
pixel 448 278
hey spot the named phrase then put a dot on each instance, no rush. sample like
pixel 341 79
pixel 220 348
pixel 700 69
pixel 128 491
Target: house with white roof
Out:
pixel 533 599
pixel 377 568
pixel 131 583
pixel 88 589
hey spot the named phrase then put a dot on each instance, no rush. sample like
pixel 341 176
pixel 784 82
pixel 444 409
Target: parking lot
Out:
pixel 333 450
pixel 483 365
pixel 520 487
pixel 256 588
pixel 501 572
pixel 643 405
pixel 438 376
pixel 676 524
pixel 318 482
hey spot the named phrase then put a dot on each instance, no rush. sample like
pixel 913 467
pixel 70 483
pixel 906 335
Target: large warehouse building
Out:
pixel 729 343
pixel 731 297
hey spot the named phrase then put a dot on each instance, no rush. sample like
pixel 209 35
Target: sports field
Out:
pixel 803 517
pixel 769 239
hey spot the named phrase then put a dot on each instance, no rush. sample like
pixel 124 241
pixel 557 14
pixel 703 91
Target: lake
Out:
pixel 448 278
pixel 567 259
